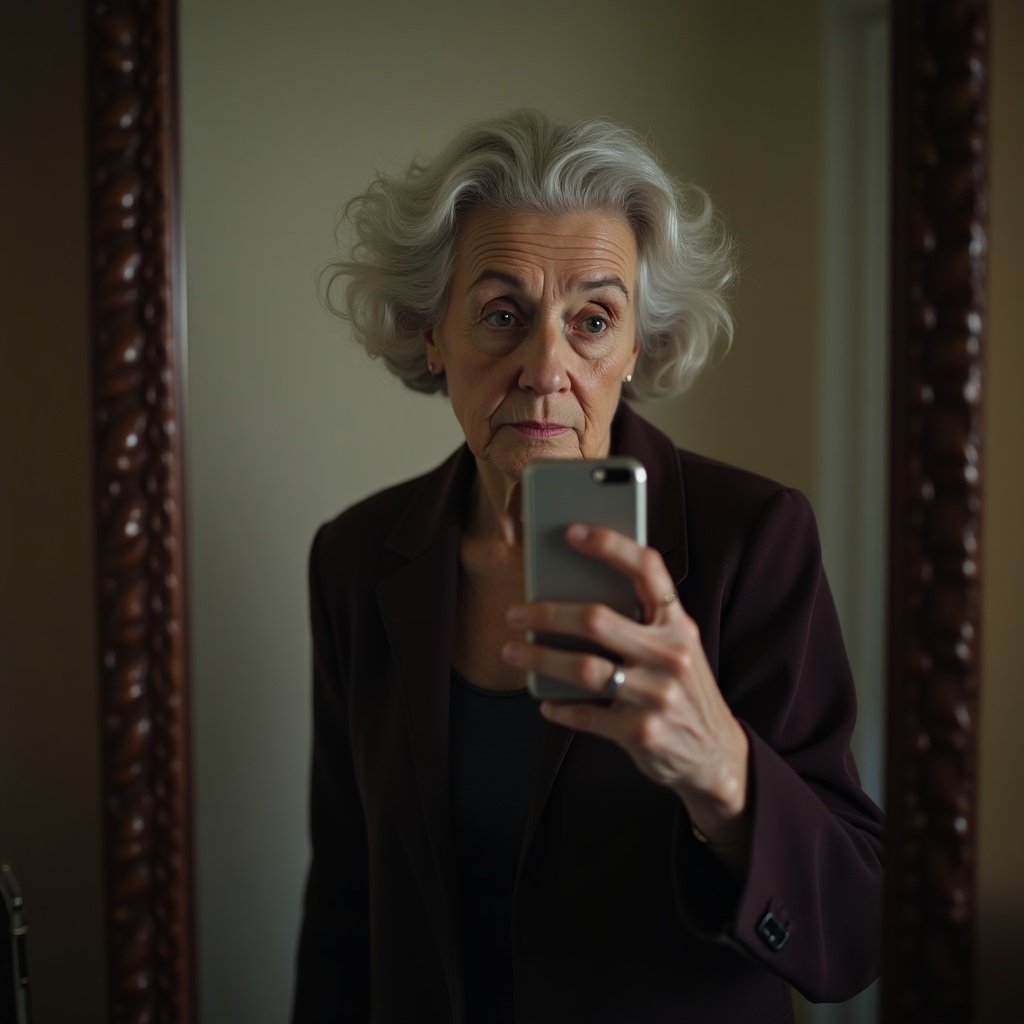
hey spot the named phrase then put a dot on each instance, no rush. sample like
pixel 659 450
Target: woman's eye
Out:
pixel 594 324
pixel 500 318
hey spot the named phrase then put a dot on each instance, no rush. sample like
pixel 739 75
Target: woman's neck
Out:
pixel 496 507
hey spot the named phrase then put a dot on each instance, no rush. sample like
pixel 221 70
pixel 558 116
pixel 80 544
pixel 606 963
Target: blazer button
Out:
pixel 772 932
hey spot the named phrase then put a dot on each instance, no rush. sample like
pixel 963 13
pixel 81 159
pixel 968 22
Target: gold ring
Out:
pixel 669 598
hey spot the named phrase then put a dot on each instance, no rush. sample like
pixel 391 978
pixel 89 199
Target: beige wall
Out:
pixel 1001 861
pixel 749 130
pixel 49 776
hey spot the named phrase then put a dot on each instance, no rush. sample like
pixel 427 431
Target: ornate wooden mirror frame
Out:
pixel 939 250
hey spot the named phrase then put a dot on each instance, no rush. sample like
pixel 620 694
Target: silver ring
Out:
pixel 618 677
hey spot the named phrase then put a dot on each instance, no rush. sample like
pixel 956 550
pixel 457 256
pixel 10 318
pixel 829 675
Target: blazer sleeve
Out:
pixel 332 975
pixel 809 906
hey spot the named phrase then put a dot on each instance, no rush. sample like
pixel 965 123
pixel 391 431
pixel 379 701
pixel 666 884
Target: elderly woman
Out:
pixel 686 851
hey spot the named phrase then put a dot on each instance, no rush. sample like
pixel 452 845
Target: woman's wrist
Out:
pixel 734 853
pixel 719 813
pixel 719 833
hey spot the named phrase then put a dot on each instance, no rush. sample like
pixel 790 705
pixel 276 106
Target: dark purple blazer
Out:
pixel 619 915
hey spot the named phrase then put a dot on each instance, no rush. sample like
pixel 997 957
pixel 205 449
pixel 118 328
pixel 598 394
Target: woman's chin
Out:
pixel 512 459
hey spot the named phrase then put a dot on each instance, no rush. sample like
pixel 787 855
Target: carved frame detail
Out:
pixel 139 515
pixel 940 233
pixel 940 168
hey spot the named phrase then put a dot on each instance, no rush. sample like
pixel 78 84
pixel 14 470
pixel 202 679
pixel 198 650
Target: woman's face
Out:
pixel 538 333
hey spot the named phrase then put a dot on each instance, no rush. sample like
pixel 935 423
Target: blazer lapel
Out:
pixel 666 497
pixel 417 604
pixel 553 748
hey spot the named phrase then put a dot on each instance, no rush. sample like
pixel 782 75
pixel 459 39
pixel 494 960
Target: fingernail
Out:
pixel 512 652
pixel 516 615
pixel 578 532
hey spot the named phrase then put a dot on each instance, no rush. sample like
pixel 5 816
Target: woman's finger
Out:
pixel 589 672
pixel 626 639
pixel 643 565
pixel 592 673
pixel 607 722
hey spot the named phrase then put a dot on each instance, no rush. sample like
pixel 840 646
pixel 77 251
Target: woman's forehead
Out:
pixel 522 244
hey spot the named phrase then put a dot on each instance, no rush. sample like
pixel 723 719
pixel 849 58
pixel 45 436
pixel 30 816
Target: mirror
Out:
pixel 140 383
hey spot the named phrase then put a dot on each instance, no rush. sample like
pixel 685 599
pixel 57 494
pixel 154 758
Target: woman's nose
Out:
pixel 544 353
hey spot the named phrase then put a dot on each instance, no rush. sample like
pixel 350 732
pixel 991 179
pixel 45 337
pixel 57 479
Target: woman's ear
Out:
pixel 634 358
pixel 435 362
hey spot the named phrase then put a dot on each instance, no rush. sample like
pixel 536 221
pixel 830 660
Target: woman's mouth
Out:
pixel 540 431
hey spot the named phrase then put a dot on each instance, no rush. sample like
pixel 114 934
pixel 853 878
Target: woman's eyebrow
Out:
pixel 497 275
pixel 602 282
pixel 612 280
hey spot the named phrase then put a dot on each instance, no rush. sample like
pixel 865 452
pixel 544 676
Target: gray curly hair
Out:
pixel 401 265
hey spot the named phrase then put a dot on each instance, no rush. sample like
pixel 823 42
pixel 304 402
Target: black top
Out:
pixel 495 737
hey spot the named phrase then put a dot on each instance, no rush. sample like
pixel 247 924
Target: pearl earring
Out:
pixel 627 379
pixel 430 367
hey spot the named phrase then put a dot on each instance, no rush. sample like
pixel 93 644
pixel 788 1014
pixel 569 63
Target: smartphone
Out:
pixel 599 492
